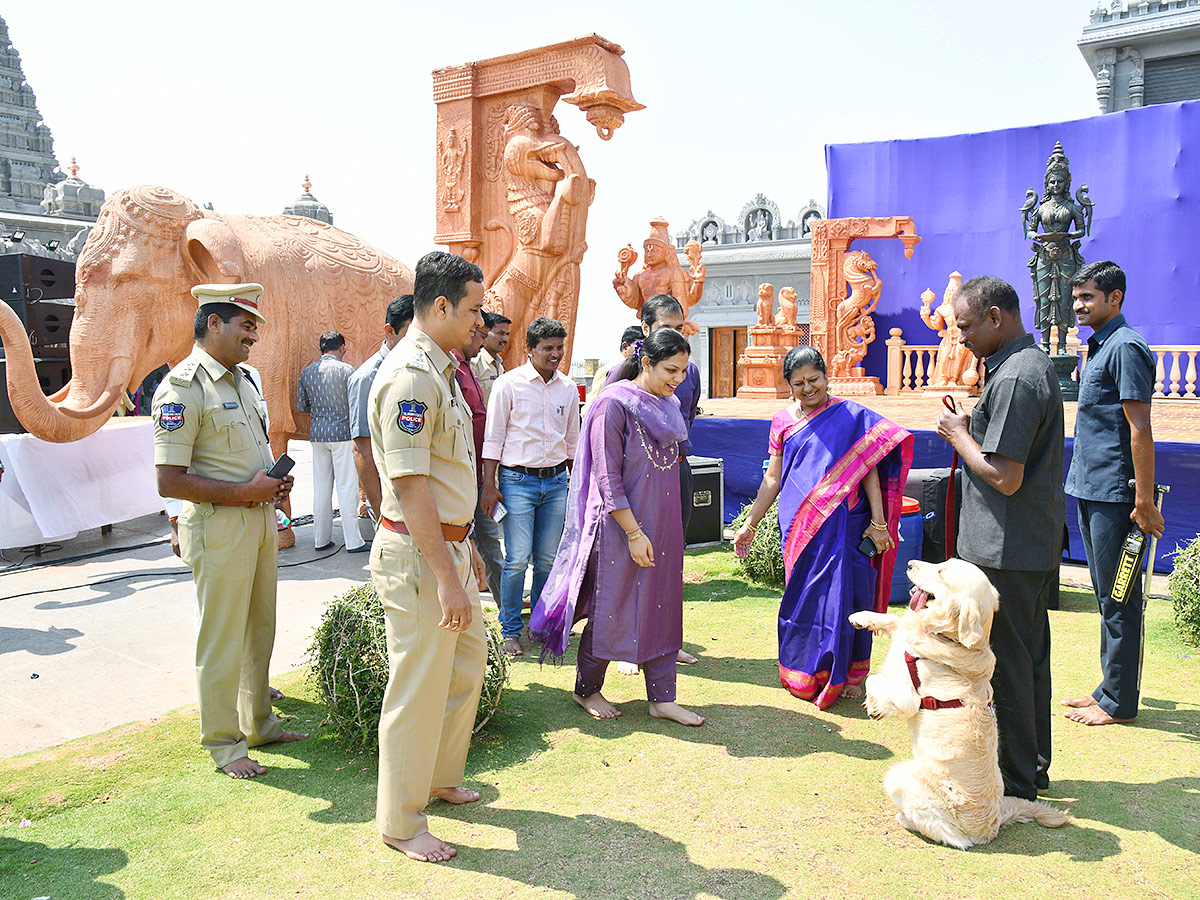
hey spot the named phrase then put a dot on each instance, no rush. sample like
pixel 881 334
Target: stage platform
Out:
pixel 736 431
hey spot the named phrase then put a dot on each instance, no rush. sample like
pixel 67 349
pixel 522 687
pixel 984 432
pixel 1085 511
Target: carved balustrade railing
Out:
pixel 909 366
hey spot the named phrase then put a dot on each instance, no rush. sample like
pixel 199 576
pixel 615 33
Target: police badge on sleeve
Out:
pixel 412 416
pixel 170 416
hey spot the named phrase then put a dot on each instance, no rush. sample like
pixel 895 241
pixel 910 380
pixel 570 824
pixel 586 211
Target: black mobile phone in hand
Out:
pixel 867 548
pixel 282 466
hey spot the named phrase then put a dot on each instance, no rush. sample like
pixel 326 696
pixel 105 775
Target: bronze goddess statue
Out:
pixel 1056 254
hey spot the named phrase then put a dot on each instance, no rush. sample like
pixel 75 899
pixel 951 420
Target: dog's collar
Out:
pixel 926 702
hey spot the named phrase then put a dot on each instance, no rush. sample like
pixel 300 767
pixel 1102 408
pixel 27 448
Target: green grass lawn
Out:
pixel 771 798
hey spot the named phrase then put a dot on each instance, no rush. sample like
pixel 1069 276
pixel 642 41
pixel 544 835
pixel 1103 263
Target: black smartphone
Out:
pixel 282 466
pixel 867 548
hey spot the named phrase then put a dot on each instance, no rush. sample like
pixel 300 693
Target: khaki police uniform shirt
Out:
pixel 208 419
pixel 421 425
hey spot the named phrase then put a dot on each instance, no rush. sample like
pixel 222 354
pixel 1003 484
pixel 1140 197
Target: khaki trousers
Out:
pixel 233 552
pixel 434 680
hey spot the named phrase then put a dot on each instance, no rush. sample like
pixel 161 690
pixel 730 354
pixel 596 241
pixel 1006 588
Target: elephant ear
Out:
pixel 213 252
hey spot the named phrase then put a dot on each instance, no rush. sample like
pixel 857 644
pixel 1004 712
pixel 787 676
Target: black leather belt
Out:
pixel 544 472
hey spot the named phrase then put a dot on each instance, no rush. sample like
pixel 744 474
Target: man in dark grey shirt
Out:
pixel 1113 445
pixel 1013 515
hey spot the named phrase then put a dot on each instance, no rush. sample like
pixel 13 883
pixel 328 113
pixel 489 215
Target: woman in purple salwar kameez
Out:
pixel 838 469
pixel 620 562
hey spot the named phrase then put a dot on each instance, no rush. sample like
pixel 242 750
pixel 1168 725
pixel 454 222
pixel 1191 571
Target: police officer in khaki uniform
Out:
pixel 211 451
pixel 422 561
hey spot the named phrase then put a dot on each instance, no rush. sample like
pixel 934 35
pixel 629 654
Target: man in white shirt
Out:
pixel 531 434
pixel 487 365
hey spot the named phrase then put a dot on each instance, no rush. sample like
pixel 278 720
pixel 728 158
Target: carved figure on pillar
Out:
pixel 854 326
pixel 697 272
pixel 954 367
pixel 548 196
pixel 1056 254
pixel 831 239
pixel 522 213
pixel 662 274
pixel 451 156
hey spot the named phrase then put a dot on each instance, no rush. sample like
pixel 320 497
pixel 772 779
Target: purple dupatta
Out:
pixel 554 614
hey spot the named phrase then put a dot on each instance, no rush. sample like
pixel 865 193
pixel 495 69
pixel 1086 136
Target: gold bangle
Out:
pixel 878 527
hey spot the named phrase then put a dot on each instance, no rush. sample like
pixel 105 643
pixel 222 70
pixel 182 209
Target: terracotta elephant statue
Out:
pixel 134 310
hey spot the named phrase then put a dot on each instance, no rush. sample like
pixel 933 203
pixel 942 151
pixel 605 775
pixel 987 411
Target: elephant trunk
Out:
pixel 45 418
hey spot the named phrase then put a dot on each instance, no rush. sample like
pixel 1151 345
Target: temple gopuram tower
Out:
pixel 27 162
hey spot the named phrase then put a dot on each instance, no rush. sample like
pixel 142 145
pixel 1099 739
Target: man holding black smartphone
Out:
pixel 211 451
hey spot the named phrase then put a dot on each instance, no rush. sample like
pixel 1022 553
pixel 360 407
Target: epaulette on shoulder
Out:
pixel 419 361
pixel 183 373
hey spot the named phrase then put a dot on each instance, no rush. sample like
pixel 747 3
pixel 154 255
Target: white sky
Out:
pixel 234 102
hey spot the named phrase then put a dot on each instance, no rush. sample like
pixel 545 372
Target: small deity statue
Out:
pixel 854 328
pixel 758 227
pixel 662 274
pixel 697 272
pixel 786 317
pixel 766 303
pixel 954 366
pixel 1056 254
pixel 451 157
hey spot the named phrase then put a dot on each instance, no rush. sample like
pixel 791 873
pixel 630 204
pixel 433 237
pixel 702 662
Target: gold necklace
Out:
pixel 672 451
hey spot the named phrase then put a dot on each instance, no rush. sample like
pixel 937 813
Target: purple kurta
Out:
pixel 636 613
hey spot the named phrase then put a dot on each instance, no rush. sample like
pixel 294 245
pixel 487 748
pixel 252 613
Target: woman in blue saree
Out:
pixel 838 469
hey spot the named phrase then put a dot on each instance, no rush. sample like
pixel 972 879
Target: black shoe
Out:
pixel 362 548
pixel 324 547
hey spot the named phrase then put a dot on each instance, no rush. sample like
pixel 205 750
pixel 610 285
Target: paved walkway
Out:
pixel 89 644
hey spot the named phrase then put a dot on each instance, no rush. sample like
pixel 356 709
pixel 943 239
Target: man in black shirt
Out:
pixel 1013 514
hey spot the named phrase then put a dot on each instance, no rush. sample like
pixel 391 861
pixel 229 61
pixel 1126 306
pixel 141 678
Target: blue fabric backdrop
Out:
pixel 965 193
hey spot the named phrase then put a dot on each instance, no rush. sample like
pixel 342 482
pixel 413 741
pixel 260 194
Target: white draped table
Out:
pixel 53 491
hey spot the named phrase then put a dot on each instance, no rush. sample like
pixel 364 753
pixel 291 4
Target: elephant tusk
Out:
pixel 108 398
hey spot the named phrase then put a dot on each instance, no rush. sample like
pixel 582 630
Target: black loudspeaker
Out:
pixel 53 375
pixel 41 293
pixel 708 501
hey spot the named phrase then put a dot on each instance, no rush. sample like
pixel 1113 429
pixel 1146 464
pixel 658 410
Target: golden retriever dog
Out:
pixel 938 675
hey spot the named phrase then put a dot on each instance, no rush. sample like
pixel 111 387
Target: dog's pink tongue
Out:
pixel 917 602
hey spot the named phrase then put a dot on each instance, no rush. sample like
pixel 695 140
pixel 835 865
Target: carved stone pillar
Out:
pixel 831 238
pixel 1106 61
pixel 1137 76
pixel 512 193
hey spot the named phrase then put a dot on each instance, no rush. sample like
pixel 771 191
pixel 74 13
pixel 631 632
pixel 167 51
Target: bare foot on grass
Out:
pixel 423 848
pixel 597 706
pixel 1094 715
pixel 288 736
pixel 1080 702
pixel 627 668
pixel 685 659
pixel 675 713
pixel 455 795
pixel 853 692
pixel 244 767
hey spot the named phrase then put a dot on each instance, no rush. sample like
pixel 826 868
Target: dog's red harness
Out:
pixel 926 702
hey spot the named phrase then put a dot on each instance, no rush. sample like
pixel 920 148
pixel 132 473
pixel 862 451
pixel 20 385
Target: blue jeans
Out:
pixel 537 508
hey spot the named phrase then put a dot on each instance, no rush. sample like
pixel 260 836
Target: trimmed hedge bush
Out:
pixel 765 561
pixel 1184 586
pixel 350 667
